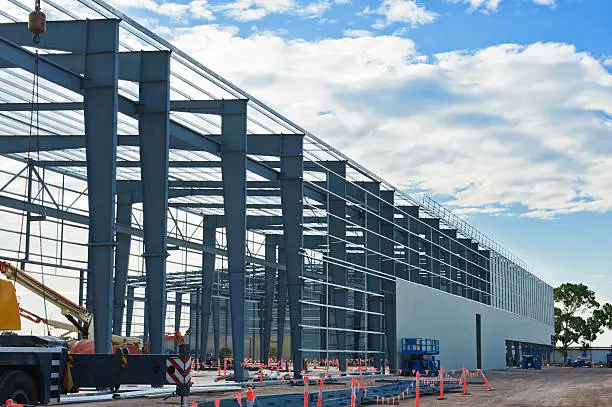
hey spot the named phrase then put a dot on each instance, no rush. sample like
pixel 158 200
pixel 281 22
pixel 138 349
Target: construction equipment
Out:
pixel 81 320
pixel 39 369
pixel 419 355
pixel 531 359
pixel 177 336
pixel 77 315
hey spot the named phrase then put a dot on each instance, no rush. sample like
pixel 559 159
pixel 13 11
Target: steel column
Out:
pixel 282 299
pixel 336 232
pixel 193 320
pixel 129 312
pixel 122 260
pixel 292 203
pixel 268 300
pixel 216 329
pixel 208 272
pixel 154 132
pixel 387 248
pixel 373 261
pixel 178 311
pixel 233 169
pixel 100 112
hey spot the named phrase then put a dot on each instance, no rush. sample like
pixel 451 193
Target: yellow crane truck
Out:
pixel 39 369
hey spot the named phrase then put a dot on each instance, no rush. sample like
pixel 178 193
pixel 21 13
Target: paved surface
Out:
pixel 558 387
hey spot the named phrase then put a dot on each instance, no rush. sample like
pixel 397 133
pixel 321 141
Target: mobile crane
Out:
pixel 38 369
pixel 81 320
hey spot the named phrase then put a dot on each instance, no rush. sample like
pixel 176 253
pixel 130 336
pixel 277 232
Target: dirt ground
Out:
pixel 558 387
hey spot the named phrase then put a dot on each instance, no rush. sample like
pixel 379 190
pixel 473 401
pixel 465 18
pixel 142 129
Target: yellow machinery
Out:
pixel 77 315
pixel 81 321
pixel 9 317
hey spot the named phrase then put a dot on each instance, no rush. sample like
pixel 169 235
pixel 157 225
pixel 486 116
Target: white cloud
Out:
pixel 196 9
pixel 482 5
pixel 401 11
pixel 357 33
pixel 251 10
pixel 550 3
pixel 486 6
pixel 316 9
pixel 201 9
pixel 506 127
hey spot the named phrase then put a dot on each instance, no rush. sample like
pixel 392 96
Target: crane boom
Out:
pixel 77 315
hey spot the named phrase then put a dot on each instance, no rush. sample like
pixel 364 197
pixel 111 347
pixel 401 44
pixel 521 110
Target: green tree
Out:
pixel 574 301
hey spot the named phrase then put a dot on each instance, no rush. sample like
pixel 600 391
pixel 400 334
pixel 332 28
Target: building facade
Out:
pixel 168 199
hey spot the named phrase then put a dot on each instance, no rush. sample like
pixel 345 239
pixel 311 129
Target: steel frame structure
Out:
pixel 182 184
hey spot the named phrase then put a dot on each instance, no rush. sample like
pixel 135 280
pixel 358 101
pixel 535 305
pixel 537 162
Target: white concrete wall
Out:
pixel 424 312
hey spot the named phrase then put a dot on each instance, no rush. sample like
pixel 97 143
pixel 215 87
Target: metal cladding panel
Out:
pixel 107 370
pixel 429 313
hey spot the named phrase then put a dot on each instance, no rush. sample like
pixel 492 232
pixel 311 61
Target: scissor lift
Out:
pixel 418 354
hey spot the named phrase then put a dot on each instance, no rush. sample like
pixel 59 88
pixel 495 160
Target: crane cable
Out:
pixel 35 128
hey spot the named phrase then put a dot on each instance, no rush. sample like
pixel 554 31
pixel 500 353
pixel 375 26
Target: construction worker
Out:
pixel 250 396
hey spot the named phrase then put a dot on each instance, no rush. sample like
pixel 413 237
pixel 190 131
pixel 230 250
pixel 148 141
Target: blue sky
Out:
pixel 501 109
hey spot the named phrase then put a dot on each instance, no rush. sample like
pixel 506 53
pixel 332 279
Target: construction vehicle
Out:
pixel 531 359
pixel 81 320
pixel 38 369
pixel 419 355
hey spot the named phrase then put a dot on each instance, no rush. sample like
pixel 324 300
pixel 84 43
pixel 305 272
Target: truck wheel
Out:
pixel 17 386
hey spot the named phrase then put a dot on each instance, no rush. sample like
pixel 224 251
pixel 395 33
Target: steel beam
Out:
pixel 208 272
pixel 84 220
pixel 154 135
pixel 292 198
pixel 234 171
pixel 122 260
pixel 27 107
pixel 268 299
pixel 22 58
pixel 55 38
pixel 23 144
pixel 101 98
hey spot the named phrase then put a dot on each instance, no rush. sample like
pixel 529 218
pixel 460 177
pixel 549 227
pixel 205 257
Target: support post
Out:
pixel 336 231
pixel 268 300
pixel 216 329
pixel 100 111
pixel 233 169
pixel 129 312
pixel 154 137
pixel 373 261
pixel 208 272
pixel 122 259
pixel 387 248
pixel 292 205
pixel 193 320
pixel 282 300
pixel 178 310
